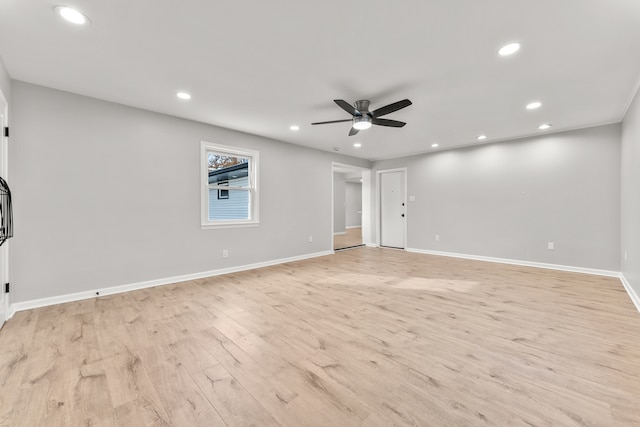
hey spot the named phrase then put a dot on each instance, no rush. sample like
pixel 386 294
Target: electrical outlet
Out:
pixel 551 246
pixel 310 239
pixel 225 253
pixel 437 237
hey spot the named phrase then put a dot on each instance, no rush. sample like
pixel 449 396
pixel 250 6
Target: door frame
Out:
pixel 379 205
pixel 366 209
pixel 4 172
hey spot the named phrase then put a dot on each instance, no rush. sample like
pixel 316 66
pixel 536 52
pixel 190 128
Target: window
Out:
pixel 229 186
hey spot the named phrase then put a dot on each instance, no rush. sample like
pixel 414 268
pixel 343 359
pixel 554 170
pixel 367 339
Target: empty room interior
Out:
pixel 421 213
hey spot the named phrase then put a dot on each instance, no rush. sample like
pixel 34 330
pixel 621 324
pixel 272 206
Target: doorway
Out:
pixel 351 208
pixel 392 219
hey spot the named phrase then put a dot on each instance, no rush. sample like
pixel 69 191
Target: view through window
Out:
pixel 231 190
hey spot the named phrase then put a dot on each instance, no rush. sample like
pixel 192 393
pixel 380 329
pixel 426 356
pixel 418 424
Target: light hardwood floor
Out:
pixel 353 237
pixel 366 337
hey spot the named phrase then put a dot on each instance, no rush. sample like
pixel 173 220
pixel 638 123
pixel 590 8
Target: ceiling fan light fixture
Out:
pixel 362 118
pixel 361 122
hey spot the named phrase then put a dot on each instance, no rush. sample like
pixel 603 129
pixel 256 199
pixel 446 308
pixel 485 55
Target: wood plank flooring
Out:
pixel 353 237
pixel 366 337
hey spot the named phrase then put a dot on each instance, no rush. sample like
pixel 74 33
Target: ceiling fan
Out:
pixel 363 118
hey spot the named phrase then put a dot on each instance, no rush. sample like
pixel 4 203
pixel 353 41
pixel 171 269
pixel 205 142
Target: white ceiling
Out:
pixel 261 66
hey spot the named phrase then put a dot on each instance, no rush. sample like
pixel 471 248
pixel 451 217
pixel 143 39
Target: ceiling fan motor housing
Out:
pixel 362 106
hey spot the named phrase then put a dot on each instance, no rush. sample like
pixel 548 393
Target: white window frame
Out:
pixel 253 156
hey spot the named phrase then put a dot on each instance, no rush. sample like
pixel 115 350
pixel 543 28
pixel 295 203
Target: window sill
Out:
pixel 209 225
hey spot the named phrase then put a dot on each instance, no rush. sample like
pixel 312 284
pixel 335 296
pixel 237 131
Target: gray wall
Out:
pixel 5 81
pixel 508 199
pixel 353 202
pixel 630 195
pixel 339 204
pixel 108 195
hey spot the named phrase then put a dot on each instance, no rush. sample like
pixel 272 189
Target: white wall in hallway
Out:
pixel 339 204
pixel 353 202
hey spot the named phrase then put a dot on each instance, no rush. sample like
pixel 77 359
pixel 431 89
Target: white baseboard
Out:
pixel 11 311
pixel 627 286
pixel 339 233
pixel 632 293
pixel 371 245
pixel 593 271
pixel 27 305
pixel 353 226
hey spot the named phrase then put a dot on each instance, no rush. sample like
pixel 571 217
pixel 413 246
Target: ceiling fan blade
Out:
pixel 332 121
pixel 346 106
pixel 353 131
pixel 387 122
pixel 387 109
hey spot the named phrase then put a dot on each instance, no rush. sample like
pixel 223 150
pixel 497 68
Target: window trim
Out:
pixel 254 218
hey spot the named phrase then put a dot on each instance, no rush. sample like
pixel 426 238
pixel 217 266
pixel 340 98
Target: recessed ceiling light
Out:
pixel 544 126
pixel 509 49
pixel 481 137
pixel 357 145
pixel 434 145
pixel 360 179
pixel 534 105
pixel 294 127
pixel 72 15
pixel 183 95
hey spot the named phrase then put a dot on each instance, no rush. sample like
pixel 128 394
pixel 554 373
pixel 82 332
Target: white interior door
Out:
pixel 392 209
pixel 4 254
